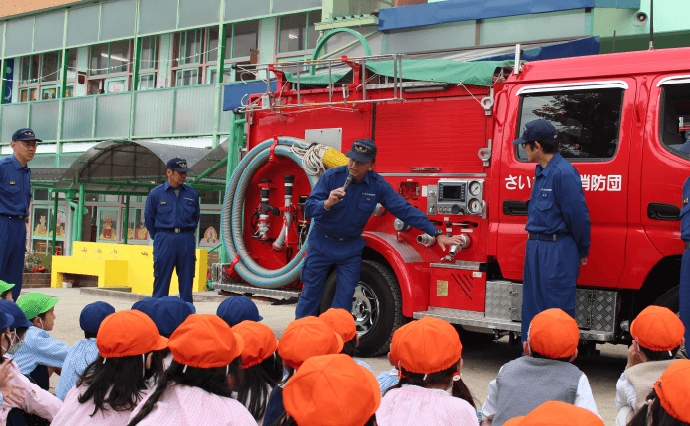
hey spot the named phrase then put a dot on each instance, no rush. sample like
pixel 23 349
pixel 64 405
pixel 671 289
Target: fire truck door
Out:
pixel 665 161
pixel 588 119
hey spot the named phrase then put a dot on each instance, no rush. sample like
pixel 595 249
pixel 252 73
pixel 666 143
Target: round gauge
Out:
pixel 475 188
pixel 474 206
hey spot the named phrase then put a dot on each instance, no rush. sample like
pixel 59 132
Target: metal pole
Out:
pixel 80 213
pixel 298 95
pixel 55 215
pixel 364 80
pixel 126 217
pixel 395 78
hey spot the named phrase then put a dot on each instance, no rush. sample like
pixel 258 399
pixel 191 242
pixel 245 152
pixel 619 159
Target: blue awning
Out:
pixel 234 93
pixel 568 49
pixel 395 18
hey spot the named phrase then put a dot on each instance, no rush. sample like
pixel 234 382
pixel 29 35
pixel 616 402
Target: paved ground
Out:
pixel 481 362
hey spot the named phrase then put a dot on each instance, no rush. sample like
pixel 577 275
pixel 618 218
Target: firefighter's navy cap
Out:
pixel 363 150
pixel 25 135
pixel 179 164
pixel 537 130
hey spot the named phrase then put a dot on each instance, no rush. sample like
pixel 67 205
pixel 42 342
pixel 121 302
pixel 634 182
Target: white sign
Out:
pixel 611 183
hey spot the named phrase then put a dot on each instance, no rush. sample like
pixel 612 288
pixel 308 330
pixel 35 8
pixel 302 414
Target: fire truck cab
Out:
pixel 447 149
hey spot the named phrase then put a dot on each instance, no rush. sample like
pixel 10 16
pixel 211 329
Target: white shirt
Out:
pixel 583 399
pixel 625 393
pixel 412 405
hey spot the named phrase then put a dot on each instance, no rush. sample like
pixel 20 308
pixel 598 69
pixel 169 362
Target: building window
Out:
pixel 188 57
pixel 149 53
pixel 112 60
pixel 39 75
pixel 241 38
pixel 147 81
pixel 297 32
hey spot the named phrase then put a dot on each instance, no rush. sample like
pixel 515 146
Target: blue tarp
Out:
pixel 233 93
pixel 395 18
pixel 568 49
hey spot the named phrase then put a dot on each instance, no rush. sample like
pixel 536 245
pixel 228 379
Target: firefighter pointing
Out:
pixel 558 226
pixel 339 217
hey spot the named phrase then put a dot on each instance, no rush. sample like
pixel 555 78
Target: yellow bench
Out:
pixel 120 265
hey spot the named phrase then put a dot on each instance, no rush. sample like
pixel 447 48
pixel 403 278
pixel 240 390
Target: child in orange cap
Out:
pixel 657 336
pixel 331 390
pixel 302 339
pixel 668 404
pixel 262 368
pixel 557 413
pixel 429 353
pixel 116 381
pixel 545 373
pixel 197 387
pixel 343 323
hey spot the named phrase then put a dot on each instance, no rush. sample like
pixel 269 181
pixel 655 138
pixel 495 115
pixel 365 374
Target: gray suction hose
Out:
pixel 232 217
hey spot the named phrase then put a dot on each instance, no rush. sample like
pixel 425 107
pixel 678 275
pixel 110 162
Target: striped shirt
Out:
pixel 40 349
pixel 74 413
pixel 83 353
pixel 417 406
pixel 387 379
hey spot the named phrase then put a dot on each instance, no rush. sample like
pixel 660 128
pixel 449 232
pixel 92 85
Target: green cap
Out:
pixel 35 304
pixel 5 286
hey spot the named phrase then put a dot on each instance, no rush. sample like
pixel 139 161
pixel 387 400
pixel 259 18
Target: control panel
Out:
pixel 456 197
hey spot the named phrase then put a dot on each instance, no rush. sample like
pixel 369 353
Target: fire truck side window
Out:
pixel 587 121
pixel 674 113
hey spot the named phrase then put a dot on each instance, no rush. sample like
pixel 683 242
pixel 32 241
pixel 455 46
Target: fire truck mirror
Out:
pixel 514 208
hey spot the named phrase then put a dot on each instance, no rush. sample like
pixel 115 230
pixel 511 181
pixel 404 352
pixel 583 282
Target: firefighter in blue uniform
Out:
pixel 558 226
pixel 684 289
pixel 15 196
pixel 172 216
pixel 338 218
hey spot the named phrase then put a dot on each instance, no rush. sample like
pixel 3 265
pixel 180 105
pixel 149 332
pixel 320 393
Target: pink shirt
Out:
pixel 74 413
pixel 418 406
pixel 36 400
pixel 183 405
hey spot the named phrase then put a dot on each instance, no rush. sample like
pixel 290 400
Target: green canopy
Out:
pixel 478 73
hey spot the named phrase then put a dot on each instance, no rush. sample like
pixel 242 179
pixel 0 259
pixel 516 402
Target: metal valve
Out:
pixel 465 242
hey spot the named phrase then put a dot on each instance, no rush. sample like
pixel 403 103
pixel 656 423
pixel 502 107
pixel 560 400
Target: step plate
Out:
pixel 242 289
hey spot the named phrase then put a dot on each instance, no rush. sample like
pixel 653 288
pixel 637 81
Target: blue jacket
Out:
pixel 684 216
pixel 165 211
pixel 348 217
pixel 558 203
pixel 15 187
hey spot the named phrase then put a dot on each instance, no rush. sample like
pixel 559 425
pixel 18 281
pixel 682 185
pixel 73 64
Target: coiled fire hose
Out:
pixel 233 208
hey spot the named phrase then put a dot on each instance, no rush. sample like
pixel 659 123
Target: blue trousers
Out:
pixel 322 253
pixel 176 251
pixel 12 250
pixel 684 294
pixel 549 278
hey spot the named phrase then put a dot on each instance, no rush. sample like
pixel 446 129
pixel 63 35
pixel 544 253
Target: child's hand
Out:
pixel 634 357
pixel 10 391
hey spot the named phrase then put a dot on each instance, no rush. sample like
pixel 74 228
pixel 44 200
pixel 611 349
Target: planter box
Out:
pixel 36 280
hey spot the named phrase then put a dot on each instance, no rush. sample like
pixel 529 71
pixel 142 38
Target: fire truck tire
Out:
pixel 670 300
pixel 376 306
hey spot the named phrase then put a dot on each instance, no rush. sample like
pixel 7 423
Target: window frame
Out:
pixel 108 75
pixel 664 84
pixel 36 82
pixel 278 53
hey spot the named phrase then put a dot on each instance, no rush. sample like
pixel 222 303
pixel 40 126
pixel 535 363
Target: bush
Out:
pixel 37 262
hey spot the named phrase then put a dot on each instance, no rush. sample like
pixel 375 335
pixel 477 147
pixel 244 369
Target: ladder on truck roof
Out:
pixel 271 100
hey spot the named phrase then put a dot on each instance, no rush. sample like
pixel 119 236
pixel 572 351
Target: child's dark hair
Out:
pixel 350 347
pixel 290 372
pixel 211 380
pixel 660 355
pixel 660 417
pixel 119 383
pixel 4 293
pixel 536 354
pixel 286 420
pixel 257 383
pixel 88 335
pixel 460 389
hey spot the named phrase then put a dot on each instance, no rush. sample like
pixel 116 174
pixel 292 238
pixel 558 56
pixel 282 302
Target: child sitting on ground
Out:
pixel 429 354
pixel 197 388
pixel 657 336
pixel 116 381
pixel 262 368
pixel 302 339
pixel 545 373
pixel 236 309
pixel 331 390
pixel 41 355
pixel 6 290
pixel 668 403
pixel 343 323
pixel 84 352
pixel 168 313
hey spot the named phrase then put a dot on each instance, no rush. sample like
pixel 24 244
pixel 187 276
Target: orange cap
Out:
pixel 515 421
pixel 553 333
pixel 128 333
pixel 673 389
pixel 557 413
pixel 340 321
pixel 398 335
pixel 305 338
pixel 332 390
pixel 427 346
pixel 658 329
pixel 259 342
pixel 205 341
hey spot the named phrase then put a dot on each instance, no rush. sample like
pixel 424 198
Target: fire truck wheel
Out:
pixel 376 306
pixel 670 300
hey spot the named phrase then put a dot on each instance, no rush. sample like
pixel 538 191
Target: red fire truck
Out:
pixel 444 142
